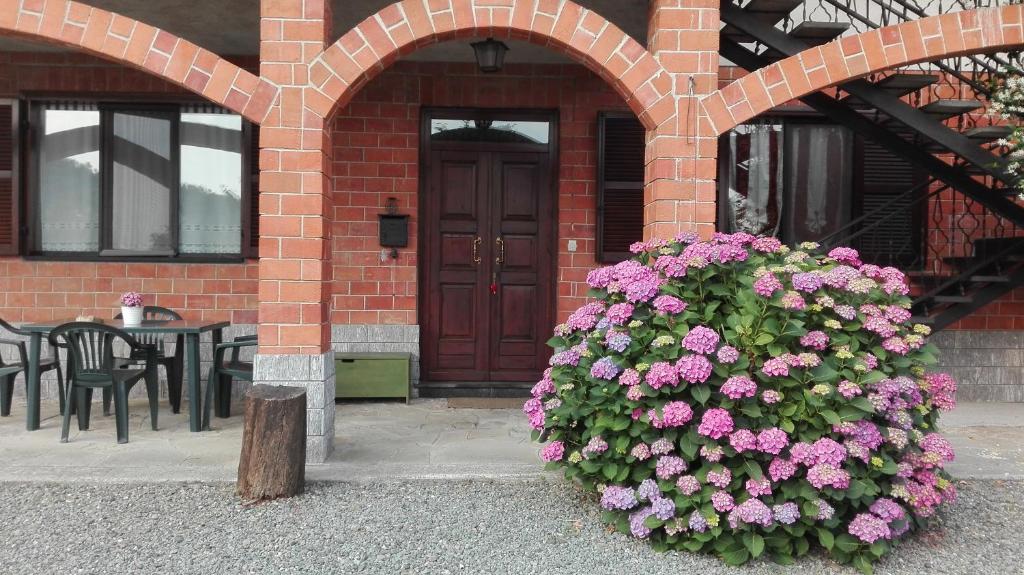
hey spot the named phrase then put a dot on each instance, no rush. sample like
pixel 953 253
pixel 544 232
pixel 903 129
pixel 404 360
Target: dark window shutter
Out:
pixel 620 185
pixel 251 242
pixel 884 182
pixel 8 177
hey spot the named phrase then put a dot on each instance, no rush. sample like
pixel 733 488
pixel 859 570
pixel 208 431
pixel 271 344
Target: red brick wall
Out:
pixel 40 291
pixel 376 139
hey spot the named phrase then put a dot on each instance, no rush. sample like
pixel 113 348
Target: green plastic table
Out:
pixel 190 329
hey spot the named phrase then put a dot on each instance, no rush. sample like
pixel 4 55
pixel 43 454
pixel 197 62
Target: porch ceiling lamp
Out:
pixel 490 54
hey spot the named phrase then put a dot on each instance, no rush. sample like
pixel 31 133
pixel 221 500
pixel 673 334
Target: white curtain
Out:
pixel 69 179
pixel 754 178
pixel 819 164
pixel 142 179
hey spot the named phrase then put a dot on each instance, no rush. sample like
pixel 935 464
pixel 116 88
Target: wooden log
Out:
pixel 273 459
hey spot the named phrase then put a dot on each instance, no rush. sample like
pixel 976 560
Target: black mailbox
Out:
pixel 394 231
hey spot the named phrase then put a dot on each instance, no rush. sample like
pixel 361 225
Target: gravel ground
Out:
pixel 418 527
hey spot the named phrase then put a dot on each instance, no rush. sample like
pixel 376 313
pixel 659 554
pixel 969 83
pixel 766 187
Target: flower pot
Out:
pixel 131 315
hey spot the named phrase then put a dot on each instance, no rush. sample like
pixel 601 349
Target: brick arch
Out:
pixel 933 38
pixel 124 40
pixel 582 34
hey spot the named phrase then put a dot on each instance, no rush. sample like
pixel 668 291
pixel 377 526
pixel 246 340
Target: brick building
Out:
pixel 235 166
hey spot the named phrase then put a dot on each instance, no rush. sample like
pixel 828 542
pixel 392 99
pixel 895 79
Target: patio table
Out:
pixel 189 328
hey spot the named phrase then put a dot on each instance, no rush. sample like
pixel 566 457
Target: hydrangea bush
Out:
pixel 742 398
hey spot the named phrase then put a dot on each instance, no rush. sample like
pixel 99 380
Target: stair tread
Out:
pixel 952 299
pixel 988 133
pixel 819 32
pixel 950 108
pixel 906 83
pixel 989 279
pixel 925 319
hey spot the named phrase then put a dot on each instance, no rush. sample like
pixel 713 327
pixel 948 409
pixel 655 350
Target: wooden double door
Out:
pixel 488 269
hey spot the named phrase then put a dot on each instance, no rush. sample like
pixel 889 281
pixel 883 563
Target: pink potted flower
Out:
pixel 131 308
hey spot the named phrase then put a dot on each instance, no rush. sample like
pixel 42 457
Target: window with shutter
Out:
pixel 620 185
pixel 884 182
pixel 251 241
pixel 8 177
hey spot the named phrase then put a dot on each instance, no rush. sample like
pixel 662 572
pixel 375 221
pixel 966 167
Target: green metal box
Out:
pixel 371 375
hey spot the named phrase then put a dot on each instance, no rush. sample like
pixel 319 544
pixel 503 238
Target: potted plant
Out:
pixel 131 308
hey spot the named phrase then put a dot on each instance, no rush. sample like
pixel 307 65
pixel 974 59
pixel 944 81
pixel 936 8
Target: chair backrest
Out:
pixel 155 312
pixel 91 346
pixel 11 328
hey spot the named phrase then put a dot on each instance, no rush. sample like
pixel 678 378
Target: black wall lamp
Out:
pixel 394 228
pixel 490 54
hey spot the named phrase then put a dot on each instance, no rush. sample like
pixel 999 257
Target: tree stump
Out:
pixel 273 460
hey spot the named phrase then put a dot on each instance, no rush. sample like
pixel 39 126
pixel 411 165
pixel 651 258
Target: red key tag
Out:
pixel 494 289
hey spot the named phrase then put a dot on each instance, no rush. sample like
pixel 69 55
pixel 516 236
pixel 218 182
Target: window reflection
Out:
pixel 69 180
pixel 504 131
pixel 211 184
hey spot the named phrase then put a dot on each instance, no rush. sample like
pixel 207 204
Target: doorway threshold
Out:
pixel 494 389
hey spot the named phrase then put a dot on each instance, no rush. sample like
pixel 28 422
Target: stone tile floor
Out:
pixel 385 441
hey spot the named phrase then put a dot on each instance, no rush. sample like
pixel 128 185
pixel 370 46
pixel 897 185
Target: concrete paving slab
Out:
pixel 389 441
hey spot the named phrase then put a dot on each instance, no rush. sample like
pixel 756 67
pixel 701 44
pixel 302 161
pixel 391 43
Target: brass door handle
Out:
pixel 498 243
pixel 476 249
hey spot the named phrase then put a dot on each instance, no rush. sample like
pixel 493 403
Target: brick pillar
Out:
pixel 679 194
pixel 295 214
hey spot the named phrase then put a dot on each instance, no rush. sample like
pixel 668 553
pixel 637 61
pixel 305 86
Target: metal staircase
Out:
pixel 973 250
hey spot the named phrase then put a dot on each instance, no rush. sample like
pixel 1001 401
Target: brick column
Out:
pixel 295 214
pixel 679 194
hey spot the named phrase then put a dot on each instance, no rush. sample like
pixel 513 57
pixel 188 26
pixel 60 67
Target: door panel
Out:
pixel 489 218
pixel 523 219
pixel 456 320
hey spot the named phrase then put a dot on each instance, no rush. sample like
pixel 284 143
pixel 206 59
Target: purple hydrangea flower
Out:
pixel 698 523
pixel 663 508
pixel 662 446
pixel 617 341
pixel 808 282
pixel 669 466
pixel 786 513
pixel 604 368
pixel 721 478
pixel 618 498
pixel 815 340
pixel 648 490
pixel 751 512
pixel 636 523
pixel 722 501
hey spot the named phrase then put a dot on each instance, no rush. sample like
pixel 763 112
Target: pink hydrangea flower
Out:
pixel 739 386
pixel 815 340
pixel 720 479
pixel 619 313
pixel 701 340
pixel 727 354
pixel 767 285
pixel 781 469
pixel 767 245
pixel 869 528
pixel 671 266
pixel 661 374
pixel 675 414
pixel 775 367
pixel 694 368
pixel 722 501
pixel 712 453
pixel 772 440
pixel 553 451
pixel 545 386
pixel 670 466
pixel 827 450
pixel 824 474
pixel 771 396
pixel 667 304
pixel 635 393
pixel 641 451
pixel 629 377
pixel 743 440
pixel 942 388
pixel 688 484
pixel 758 487
pixel 715 423
pixel 847 256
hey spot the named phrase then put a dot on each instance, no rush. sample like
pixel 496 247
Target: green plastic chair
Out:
pixel 218 384
pixel 91 346
pixel 174 364
pixel 8 371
